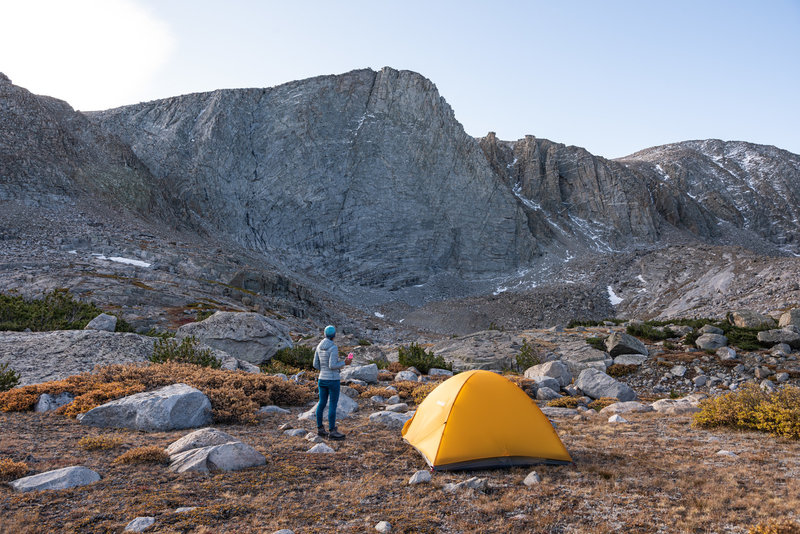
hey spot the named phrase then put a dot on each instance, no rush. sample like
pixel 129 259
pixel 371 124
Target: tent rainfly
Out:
pixel 480 419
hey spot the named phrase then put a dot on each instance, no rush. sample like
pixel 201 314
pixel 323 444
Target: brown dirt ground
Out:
pixel 656 474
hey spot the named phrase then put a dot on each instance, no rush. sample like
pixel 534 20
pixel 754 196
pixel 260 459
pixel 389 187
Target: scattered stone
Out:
pixel 674 406
pixel 597 384
pixel 244 335
pixel 700 381
pixel 344 408
pixel 711 329
pixel 763 372
pixel 768 386
pixel 678 370
pixel 782 377
pixel 439 372
pixel 781 347
pixel 285 426
pixel 365 373
pixel 103 322
pixel 67 477
pixel 751 319
pixel 377 399
pixel 630 359
pixel 140 524
pixel 390 419
pixel 729 454
pixel 350 392
pixel 284 531
pixel 420 477
pixel 226 457
pixel 384 527
pixel 404 376
pixel 184 509
pixel 546 394
pixel 547 382
pixel 532 479
pixel 394 399
pixel 555 411
pixel 273 410
pixel 726 353
pixel 621 343
pixel 49 402
pixel 168 408
pixel 475 483
pixel 555 370
pixel 205 437
pixel 711 341
pixel 617 418
pixel 400 407
pixel 314 438
pixel 295 432
pixel 320 448
pixel 626 407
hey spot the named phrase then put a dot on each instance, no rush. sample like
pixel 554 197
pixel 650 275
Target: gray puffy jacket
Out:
pixel 326 359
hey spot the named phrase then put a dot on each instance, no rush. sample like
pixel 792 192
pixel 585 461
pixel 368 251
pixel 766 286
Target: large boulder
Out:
pixel 246 336
pixel 205 437
pixel 787 334
pixel 369 354
pixel 711 341
pixel 68 477
pixel 104 322
pixel 404 376
pixel 231 456
pixel 367 373
pixel 555 369
pixel 622 343
pixel 751 319
pixel 790 318
pixel 626 407
pixel 45 356
pixel 578 355
pixel 167 408
pixel 344 408
pixel 596 384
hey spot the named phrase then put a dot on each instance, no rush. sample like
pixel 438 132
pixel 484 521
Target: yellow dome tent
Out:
pixel 480 419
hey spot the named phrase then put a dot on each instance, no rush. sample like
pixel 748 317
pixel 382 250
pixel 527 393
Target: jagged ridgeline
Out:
pixel 368 178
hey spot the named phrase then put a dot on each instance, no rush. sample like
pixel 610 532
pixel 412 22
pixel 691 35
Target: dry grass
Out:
pixel 101 442
pixel 143 455
pixel 11 470
pixel 657 474
pixel 234 396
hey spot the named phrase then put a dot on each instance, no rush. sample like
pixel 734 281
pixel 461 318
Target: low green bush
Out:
pixel 597 342
pixel 416 356
pixel 169 350
pixel 650 332
pixel 58 310
pixel 298 356
pixel 8 377
pixel 526 357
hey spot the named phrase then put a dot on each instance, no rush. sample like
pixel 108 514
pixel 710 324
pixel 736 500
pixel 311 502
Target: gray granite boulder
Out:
pixel 47 402
pixel 578 355
pixel 67 477
pixel 711 329
pixel 345 407
pixel 168 408
pixel 246 336
pixel 231 456
pixel 751 319
pixel 786 335
pixel 204 437
pixel 405 376
pixel 367 373
pixel 433 371
pixel 390 419
pixel 546 394
pixel 790 318
pixel 556 370
pixel 140 524
pixel 104 322
pixel 626 407
pixel 596 384
pixel 547 382
pixel 422 476
pixel 675 406
pixel 621 343
pixel 630 359
pixel 711 341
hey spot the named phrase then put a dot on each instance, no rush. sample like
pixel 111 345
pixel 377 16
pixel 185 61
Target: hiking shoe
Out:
pixel 335 434
pixel 321 432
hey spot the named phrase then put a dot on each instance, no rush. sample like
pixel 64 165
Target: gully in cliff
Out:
pixel 326 359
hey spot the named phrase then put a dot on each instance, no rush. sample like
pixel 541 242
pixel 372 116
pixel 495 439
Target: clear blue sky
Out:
pixel 611 76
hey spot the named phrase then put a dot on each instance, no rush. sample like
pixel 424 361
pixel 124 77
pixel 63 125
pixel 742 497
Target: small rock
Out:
pixel 405 376
pixel 273 410
pixel 49 402
pixel 700 381
pixel 678 370
pixel 320 448
pixel 400 407
pixel 285 426
pixel 390 419
pixel 140 524
pixel 295 432
pixel 205 437
pixel 726 354
pixel 67 477
pixel 345 408
pixel 617 418
pixel 475 483
pixel 768 386
pixel 555 370
pixel 711 341
pixel 384 527
pixel 364 373
pixel 763 372
pixel 420 477
pixel 284 531
pixel 394 399
pixel 103 322
pixel 630 359
pixel 546 394
pixel 314 438
pixel 729 454
pixel 532 479
pixel 184 509
pixel 377 399
pixel 780 378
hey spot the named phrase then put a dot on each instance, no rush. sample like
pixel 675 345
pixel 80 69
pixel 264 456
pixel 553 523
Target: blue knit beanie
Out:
pixel 330 331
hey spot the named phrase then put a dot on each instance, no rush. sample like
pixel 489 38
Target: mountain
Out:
pixel 363 187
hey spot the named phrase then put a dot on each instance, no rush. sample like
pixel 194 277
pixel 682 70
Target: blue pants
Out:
pixel 328 388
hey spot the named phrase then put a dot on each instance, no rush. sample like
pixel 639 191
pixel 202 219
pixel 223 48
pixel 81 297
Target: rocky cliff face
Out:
pixel 365 177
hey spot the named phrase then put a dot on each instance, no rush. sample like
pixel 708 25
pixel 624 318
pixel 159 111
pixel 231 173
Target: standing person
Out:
pixel 326 359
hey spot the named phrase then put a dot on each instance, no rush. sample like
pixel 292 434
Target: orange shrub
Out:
pixel 143 455
pixel 11 470
pixel 93 443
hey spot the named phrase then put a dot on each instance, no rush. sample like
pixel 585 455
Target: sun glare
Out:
pixel 95 54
